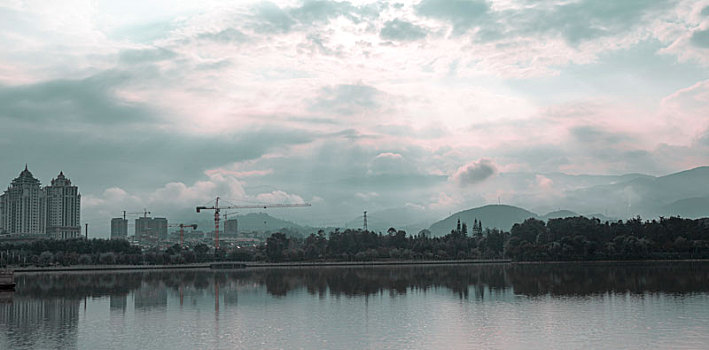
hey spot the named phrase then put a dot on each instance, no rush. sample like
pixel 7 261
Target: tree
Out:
pixel 275 245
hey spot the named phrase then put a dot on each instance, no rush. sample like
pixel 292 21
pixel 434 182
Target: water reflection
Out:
pixel 50 305
pixel 150 288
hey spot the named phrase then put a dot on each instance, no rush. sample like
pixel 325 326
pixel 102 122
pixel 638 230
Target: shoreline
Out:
pixel 240 265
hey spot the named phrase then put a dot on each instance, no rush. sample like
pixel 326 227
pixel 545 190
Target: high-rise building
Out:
pixel 231 226
pixel 160 227
pixel 23 206
pixel 63 209
pixel 148 230
pixel 119 228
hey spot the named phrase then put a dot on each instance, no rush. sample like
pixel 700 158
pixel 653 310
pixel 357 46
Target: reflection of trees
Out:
pixel 527 279
pixel 586 279
pixel 354 281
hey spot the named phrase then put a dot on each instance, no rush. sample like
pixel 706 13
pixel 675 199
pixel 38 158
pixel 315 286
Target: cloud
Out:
pixel 60 102
pixel 580 21
pixel 155 54
pixel 402 31
pixel 273 19
pixel 595 135
pixel 463 14
pixel 348 99
pixel 474 172
pixel 700 38
pixel 228 35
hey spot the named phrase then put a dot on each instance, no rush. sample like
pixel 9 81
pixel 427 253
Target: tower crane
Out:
pixel 144 213
pixel 217 208
pixel 182 231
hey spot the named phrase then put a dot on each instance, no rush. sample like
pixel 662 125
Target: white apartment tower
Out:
pixel 23 206
pixel 63 209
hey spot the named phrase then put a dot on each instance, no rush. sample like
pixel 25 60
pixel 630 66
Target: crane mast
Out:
pixel 182 231
pixel 217 208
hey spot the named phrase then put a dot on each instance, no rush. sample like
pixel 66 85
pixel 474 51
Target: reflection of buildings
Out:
pixel 118 302
pixel 150 296
pixel 148 230
pixel 41 323
pixel 119 228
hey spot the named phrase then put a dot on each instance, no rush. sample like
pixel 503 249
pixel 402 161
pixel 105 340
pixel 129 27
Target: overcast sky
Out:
pixel 346 105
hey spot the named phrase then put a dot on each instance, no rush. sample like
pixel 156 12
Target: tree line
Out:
pixel 564 239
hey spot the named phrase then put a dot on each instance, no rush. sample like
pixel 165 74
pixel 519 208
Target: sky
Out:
pixel 347 105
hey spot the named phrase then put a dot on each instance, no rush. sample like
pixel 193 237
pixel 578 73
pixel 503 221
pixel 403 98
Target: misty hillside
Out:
pixel 559 214
pixel 255 222
pixel 693 208
pixel 647 196
pixel 492 216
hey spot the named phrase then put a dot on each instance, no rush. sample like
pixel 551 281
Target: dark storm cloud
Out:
pixel 700 38
pixel 475 172
pixel 347 99
pixel 402 31
pixel 89 100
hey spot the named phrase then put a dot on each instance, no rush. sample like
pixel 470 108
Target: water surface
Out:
pixel 545 306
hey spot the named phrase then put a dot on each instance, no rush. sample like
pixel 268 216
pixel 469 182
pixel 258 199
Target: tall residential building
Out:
pixel 23 206
pixel 231 226
pixel 148 230
pixel 63 209
pixel 119 228
pixel 160 227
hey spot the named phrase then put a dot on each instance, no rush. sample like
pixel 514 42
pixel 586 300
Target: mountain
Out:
pixel 693 208
pixel 646 195
pixel 261 222
pixel 492 216
pixel 559 214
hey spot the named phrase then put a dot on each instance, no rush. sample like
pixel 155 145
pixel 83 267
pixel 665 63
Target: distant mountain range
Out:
pixel 684 194
pixel 498 216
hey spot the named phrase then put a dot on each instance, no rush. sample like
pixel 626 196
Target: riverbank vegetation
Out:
pixel 565 239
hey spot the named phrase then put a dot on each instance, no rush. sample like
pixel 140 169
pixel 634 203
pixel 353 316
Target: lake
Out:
pixel 497 306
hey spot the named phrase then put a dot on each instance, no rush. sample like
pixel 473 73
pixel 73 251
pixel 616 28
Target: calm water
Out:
pixel 602 306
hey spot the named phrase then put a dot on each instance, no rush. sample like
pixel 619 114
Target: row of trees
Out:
pixel 574 238
pixel 580 238
pixel 564 239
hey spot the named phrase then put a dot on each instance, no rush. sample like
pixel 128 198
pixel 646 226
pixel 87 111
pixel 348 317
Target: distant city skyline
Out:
pixel 432 106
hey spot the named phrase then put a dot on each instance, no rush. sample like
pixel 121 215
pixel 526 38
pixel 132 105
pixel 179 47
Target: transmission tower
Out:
pixel 365 220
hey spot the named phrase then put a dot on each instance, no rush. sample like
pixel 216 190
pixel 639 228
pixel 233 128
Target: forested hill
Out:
pixel 502 217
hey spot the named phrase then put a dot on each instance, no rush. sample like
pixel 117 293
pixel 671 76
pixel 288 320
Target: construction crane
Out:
pixel 217 208
pixel 144 213
pixel 182 231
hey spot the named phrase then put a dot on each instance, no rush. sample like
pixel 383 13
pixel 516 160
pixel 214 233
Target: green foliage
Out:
pixel 573 238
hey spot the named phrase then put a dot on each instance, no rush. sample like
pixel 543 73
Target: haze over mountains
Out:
pixel 684 194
